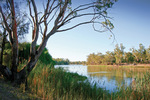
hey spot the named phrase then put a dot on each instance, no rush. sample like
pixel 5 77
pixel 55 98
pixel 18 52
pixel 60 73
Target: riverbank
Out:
pixel 50 83
pixel 124 65
pixel 9 92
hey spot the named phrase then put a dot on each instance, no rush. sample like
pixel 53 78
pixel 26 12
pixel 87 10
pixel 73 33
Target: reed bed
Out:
pixel 49 83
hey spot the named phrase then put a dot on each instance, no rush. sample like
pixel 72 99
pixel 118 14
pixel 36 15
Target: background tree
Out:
pixel 61 61
pixel 129 57
pixel 148 54
pixel 109 58
pixel 136 54
pixel 99 58
pixel 119 53
pixel 55 15
pixel 142 53
pixel 95 59
pixel 139 54
pixel 91 59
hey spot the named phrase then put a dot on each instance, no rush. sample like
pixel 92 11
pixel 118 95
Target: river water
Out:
pixel 109 78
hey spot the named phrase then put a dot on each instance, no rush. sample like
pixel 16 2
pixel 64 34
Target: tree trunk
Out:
pixel 3 47
pixel 23 74
pixel 14 61
pixel 14 43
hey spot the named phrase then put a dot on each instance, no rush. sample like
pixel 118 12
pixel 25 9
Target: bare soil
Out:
pixel 9 92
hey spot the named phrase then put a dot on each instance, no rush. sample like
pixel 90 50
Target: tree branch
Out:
pixel 52 16
pixel 75 26
pixel 77 9
pixel 31 12
pixel 61 13
pixel 4 19
pixel 80 16
pixel 49 12
pixel 35 32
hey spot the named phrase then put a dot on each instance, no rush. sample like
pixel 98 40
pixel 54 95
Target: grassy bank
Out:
pixel 53 84
pixel 48 83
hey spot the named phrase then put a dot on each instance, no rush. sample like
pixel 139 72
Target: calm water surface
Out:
pixel 109 78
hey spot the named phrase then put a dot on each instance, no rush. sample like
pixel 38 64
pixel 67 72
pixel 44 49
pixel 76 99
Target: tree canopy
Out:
pixel 119 56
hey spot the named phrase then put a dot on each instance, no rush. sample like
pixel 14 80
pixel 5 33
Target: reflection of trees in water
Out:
pixel 116 73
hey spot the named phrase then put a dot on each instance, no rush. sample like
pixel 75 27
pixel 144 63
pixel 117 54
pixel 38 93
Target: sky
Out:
pixel 131 19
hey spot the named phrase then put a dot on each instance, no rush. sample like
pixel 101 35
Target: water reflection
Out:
pixel 108 78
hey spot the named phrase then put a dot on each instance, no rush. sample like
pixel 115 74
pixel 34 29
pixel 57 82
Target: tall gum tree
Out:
pixel 55 15
pixel 11 18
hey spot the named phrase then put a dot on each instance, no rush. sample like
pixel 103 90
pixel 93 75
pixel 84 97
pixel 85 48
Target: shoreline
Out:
pixel 124 65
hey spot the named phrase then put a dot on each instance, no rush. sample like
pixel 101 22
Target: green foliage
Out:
pixel 95 59
pixel 61 61
pixel 45 57
pixel 109 58
pixel 148 54
pixel 24 52
pixel 78 62
pixel 108 23
pixel 140 55
pixel 119 53
pixel 129 57
pixel 50 83
pixel 7 55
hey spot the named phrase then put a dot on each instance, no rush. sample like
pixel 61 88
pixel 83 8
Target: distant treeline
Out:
pixel 62 61
pixel 119 56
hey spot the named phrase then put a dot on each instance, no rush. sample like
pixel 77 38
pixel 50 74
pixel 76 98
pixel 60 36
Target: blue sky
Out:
pixel 131 19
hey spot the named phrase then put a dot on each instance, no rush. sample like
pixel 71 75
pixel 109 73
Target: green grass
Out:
pixel 139 90
pixel 49 83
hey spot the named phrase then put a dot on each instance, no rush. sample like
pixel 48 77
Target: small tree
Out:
pixel 129 57
pixel 119 53
pixel 148 54
pixel 140 54
pixel 109 58
pixel 55 15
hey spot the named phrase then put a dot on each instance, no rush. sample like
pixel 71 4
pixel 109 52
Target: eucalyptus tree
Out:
pixel 142 53
pixel 56 16
pixel 129 57
pixel 136 54
pixel 148 54
pixel 119 53
pixel 109 58
pixel 21 21
pixel 91 59
pixel 139 54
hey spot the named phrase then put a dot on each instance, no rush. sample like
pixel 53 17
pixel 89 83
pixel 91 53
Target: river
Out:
pixel 106 77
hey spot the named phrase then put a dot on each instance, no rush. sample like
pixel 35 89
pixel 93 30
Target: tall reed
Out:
pixel 56 84
pixel 50 83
